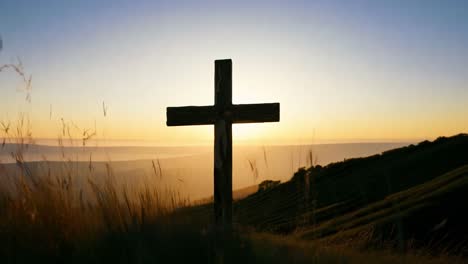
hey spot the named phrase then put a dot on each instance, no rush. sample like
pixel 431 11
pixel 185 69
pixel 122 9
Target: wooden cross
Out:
pixel 223 114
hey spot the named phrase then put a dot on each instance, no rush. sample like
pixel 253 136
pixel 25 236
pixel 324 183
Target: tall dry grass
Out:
pixel 45 212
pixel 52 212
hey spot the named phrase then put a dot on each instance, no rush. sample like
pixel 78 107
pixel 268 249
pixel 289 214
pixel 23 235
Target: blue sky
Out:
pixel 342 70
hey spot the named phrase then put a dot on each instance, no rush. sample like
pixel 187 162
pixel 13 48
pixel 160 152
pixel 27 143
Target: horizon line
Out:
pixel 153 143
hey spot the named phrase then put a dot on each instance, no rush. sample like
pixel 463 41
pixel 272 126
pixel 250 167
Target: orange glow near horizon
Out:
pixel 336 80
pixel 343 131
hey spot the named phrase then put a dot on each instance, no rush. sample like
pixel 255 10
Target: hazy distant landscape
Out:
pixel 190 169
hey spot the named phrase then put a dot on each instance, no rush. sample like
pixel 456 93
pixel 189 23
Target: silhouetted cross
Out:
pixel 223 114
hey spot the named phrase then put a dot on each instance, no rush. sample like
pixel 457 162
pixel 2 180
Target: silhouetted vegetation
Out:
pixel 267 184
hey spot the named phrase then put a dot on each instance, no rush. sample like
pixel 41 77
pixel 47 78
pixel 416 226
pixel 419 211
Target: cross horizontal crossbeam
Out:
pixel 207 115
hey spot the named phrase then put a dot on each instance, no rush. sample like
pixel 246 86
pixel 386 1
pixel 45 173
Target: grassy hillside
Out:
pixel 345 186
pixel 430 215
pixel 399 195
pixel 411 199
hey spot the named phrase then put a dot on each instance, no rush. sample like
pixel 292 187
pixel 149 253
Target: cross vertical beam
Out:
pixel 223 145
pixel 223 114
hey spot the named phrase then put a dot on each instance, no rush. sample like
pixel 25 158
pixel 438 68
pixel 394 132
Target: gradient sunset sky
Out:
pixel 343 71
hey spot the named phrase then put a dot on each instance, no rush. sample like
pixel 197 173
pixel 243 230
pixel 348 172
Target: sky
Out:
pixel 343 71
